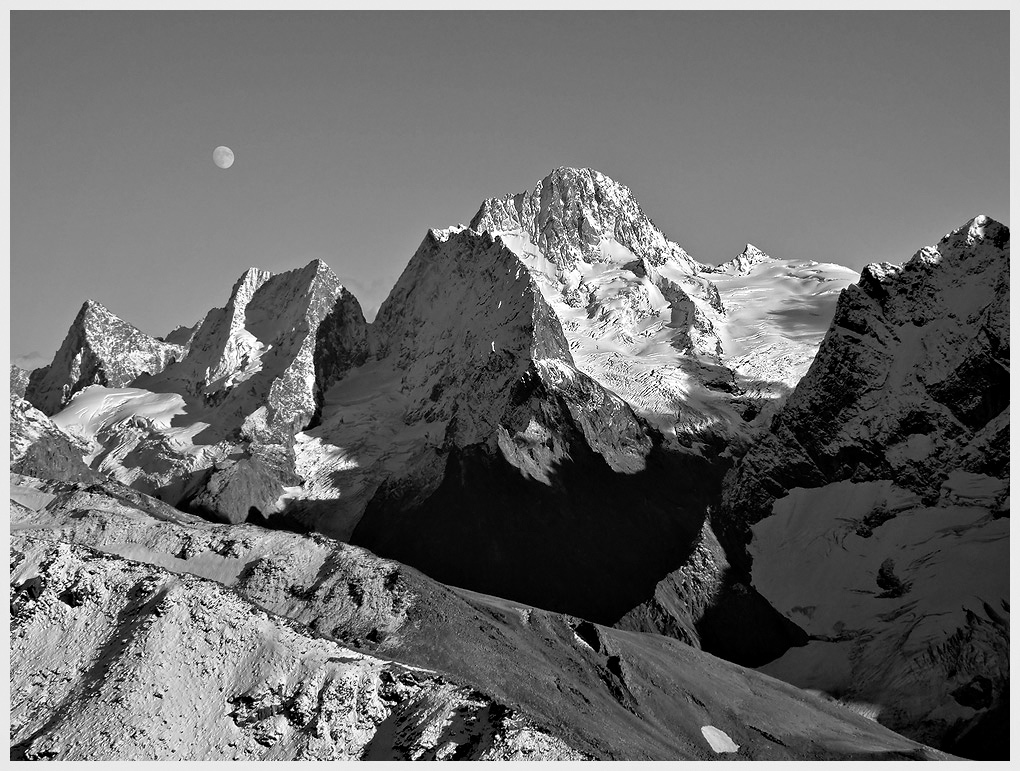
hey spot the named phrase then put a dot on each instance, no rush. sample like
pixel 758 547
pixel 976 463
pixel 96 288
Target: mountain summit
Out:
pixel 99 349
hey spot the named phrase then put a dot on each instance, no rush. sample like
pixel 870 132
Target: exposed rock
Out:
pixel 39 448
pixel 474 450
pixel 632 303
pixel 19 380
pixel 100 349
pixel 117 660
pixel 182 335
pixel 255 374
pixel 279 343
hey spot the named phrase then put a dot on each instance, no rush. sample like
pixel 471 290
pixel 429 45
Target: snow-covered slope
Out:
pixel 876 509
pixel 141 633
pixel 39 447
pixel 561 351
pixel 100 349
pixel 907 605
pixel 777 312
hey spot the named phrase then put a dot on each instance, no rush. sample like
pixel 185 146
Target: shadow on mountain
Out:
pixel 593 542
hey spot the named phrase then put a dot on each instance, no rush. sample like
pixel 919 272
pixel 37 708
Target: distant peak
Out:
pixel 752 252
pixel 743 262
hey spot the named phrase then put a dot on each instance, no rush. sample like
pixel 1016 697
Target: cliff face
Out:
pixel 266 358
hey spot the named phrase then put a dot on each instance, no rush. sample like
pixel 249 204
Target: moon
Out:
pixel 223 157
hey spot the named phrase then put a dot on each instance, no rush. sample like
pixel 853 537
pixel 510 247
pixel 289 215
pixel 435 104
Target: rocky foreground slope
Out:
pixel 876 509
pixel 140 632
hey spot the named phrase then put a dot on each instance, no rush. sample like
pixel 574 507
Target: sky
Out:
pixel 831 136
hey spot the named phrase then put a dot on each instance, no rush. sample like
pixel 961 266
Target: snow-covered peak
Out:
pixel 743 263
pixel 571 214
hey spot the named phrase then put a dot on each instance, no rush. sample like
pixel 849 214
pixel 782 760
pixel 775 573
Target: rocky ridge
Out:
pixel 742 264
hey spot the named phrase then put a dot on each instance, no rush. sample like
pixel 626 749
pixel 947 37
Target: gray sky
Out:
pixel 841 137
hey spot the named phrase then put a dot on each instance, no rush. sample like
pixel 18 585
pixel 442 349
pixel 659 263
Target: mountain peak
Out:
pixel 100 349
pixel 743 263
pixel 977 230
pixel 575 215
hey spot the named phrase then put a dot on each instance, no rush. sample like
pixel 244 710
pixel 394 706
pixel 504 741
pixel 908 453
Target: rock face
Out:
pixel 876 509
pixel 100 349
pixel 39 448
pixel 530 378
pixel 544 410
pixel 19 380
pixel 743 263
pixel 267 357
pixel 140 632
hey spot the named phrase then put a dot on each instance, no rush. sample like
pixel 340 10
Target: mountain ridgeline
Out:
pixel 559 406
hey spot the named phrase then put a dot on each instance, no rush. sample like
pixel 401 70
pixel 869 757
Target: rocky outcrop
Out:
pixel 254 375
pixel 571 212
pixel 100 349
pixel 143 633
pixel 639 317
pixel 583 224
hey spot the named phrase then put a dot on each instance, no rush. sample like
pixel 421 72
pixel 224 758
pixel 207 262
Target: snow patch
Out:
pixel 718 740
